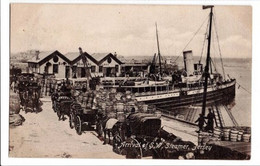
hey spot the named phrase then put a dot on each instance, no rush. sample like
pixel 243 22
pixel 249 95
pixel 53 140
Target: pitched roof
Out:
pixel 72 55
pixel 41 56
pixel 88 57
pixel 99 56
pixel 46 56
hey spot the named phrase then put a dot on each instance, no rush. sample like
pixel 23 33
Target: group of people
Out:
pixel 209 123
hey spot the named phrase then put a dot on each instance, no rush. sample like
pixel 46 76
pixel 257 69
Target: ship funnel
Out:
pixel 188 62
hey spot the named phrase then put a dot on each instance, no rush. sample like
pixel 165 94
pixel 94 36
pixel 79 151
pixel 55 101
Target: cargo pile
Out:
pixel 113 104
pixel 233 134
pixel 240 134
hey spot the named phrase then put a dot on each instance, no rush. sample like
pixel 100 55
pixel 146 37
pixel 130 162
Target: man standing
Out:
pixel 201 121
pixel 210 124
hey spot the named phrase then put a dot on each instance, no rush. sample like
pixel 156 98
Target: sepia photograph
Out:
pixel 122 81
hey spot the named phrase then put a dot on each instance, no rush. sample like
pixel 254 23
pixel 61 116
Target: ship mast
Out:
pixel 206 71
pixel 159 54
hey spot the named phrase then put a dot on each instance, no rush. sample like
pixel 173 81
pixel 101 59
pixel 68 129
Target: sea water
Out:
pixel 241 70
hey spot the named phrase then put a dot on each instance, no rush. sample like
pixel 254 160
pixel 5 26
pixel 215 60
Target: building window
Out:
pixel 83 72
pixel 116 68
pixel 93 69
pixel 55 68
pixel 100 69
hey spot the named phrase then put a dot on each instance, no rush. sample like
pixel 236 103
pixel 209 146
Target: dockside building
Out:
pixel 71 64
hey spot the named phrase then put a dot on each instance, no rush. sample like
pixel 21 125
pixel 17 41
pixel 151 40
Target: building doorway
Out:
pixel 108 71
pixel 83 72
pixel 47 68
pixel 67 72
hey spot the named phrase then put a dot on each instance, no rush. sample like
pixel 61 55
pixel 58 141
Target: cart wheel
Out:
pixel 117 141
pixel 72 124
pixel 133 152
pixel 78 125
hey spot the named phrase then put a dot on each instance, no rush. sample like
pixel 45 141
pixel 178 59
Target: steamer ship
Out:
pixel 184 88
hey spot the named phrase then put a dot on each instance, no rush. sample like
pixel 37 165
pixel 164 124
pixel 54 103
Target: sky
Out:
pixel 129 29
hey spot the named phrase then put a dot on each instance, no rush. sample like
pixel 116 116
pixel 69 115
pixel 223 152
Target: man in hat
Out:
pixel 201 121
pixel 210 123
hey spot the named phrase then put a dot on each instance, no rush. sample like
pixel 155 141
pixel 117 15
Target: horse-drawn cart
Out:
pixel 82 111
pixel 141 135
pixel 80 116
pixel 62 107
pixel 29 93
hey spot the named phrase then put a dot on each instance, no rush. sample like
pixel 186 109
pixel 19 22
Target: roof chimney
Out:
pixel 115 54
pixel 37 52
pixel 80 51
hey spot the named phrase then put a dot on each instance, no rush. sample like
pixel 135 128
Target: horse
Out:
pixel 108 128
pixel 30 99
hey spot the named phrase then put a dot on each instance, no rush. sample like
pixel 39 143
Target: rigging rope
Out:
pixel 239 85
pixel 214 52
pixel 203 47
pixel 215 25
pixel 191 39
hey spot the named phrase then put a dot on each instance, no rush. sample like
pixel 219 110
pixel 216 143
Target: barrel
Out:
pixel 128 96
pixel 113 90
pixel 203 138
pixel 226 134
pixel 109 108
pixel 200 139
pixel 120 116
pixel 85 98
pixel 123 98
pixel 103 105
pixel 239 136
pixel 76 93
pixel 120 106
pixel 233 135
pixel 111 115
pixel 217 133
pixel 246 137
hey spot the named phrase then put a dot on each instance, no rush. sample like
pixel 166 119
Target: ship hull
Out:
pixel 223 94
